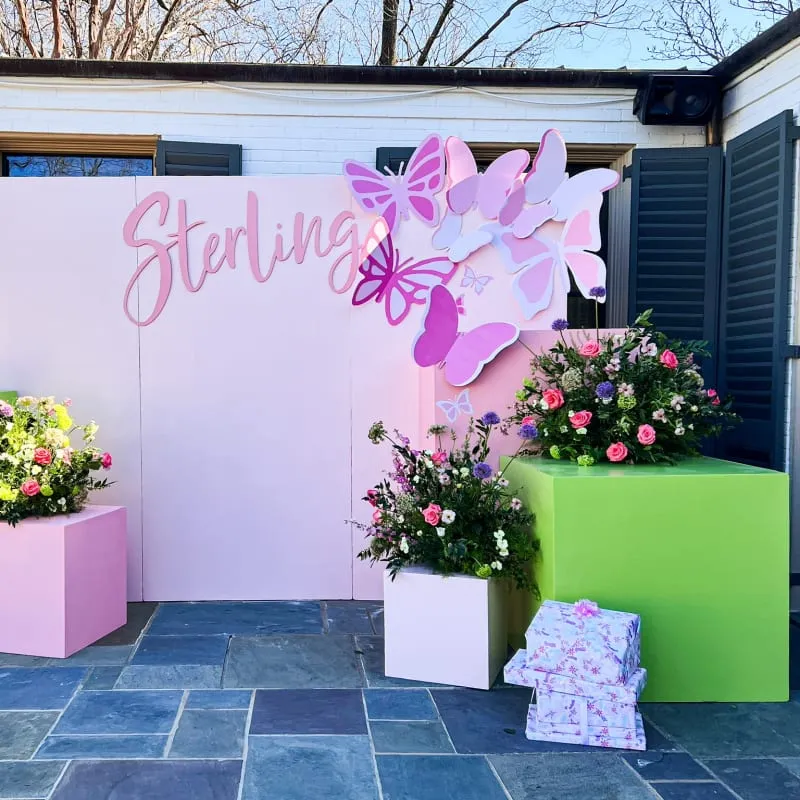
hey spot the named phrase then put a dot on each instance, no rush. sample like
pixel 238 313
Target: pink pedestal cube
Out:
pixel 449 630
pixel 62 581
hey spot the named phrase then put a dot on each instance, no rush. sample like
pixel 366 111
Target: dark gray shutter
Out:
pixel 392 157
pixel 198 158
pixel 754 295
pixel 675 230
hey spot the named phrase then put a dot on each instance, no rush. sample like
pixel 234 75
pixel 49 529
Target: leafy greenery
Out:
pixel 636 397
pixel 41 472
pixel 449 510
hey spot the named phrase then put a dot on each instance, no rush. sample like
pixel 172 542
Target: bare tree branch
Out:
pixel 436 31
pixel 24 28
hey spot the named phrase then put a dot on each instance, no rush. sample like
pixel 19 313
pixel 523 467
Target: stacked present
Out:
pixel 583 664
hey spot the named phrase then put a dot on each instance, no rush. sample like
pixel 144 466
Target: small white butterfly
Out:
pixel 458 405
pixel 477 282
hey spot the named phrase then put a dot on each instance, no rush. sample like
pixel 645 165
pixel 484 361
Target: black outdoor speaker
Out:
pixel 677 99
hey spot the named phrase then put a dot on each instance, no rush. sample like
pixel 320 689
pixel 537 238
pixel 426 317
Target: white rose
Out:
pixel 35 469
pixel 448 516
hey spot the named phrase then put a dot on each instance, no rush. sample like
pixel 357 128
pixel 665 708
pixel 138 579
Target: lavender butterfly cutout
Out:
pixel 460 404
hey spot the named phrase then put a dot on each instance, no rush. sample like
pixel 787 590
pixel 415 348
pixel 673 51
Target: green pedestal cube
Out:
pixel 8 397
pixel 700 550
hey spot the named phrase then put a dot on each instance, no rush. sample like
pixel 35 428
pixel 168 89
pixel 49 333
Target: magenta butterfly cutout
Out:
pixel 464 354
pixel 539 260
pixel 399 284
pixel 487 190
pixel 411 190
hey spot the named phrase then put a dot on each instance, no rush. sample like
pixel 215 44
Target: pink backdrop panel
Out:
pixel 246 404
pixel 65 267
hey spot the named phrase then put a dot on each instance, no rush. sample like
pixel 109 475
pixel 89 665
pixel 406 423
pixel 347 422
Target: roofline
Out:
pixel 764 45
pixel 334 74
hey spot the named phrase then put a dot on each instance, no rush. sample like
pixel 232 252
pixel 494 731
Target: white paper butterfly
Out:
pixel 458 405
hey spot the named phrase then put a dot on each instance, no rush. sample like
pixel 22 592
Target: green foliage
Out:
pixel 448 510
pixel 42 473
pixel 643 392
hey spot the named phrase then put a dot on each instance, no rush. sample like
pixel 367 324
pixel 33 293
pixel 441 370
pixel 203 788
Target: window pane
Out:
pixel 26 166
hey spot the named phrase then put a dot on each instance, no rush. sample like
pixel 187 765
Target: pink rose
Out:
pixel 371 495
pixel 617 452
pixel 42 456
pixel 377 516
pixel 30 488
pixel 432 514
pixel 580 419
pixel 553 397
pixel 646 434
pixel 106 461
pixel 529 420
pixel 67 455
pixel 439 458
pixel 590 349
pixel 712 395
pixel 669 359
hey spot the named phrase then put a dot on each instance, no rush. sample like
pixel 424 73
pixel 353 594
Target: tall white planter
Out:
pixel 450 630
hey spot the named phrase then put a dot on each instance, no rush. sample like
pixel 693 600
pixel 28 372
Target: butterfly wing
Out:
pixel 463 247
pixel 482 282
pixel 513 205
pixel 582 233
pixel 424 178
pixel 533 287
pixel 450 409
pixel 411 285
pixel 531 218
pixel 377 266
pixel 375 193
pixel 549 168
pixel 448 231
pixel 469 277
pixel 463 176
pixel 586 186
pixel 439 328
pixel 463 402
pixel 473 350
pixel 517 254
pixel 498 180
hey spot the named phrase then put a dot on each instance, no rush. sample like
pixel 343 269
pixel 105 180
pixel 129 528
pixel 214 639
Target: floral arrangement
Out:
pixel 634 397
pixel 42 472
pixel 447 509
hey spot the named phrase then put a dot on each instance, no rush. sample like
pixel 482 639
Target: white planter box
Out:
pixel 450 630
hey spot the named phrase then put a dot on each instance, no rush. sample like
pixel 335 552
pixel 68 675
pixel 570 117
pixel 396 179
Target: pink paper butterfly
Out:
pixel 412 190
pixel 400 284
pixel 542 259
pixel 488 190
pixel 464 354
pixel 547 193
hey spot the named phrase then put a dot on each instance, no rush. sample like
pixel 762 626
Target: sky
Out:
pixel 619 50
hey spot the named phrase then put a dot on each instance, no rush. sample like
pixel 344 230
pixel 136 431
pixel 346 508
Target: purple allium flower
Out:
pixel 528 431
pixel 559 325
pixel 490 418
pixel 597 291
pixel 482 470
pixel 605 390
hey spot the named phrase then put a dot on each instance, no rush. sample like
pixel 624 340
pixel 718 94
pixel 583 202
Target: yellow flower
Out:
pixel 63 418
pixel 7 494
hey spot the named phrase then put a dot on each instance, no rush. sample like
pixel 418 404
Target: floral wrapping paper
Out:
pixel 519 672
pixel 584 642
pixel 593 735
pixel 557 708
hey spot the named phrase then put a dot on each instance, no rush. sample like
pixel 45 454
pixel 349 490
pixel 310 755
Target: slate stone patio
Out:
pixel 288 701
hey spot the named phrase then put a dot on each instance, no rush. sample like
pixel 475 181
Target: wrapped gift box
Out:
pixel 585 642
pixel 592 735
pixel 561 699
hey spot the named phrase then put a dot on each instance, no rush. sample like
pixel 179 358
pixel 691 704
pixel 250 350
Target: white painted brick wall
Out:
pixel 305 129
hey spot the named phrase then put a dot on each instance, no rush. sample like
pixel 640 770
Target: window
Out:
pixel 19 165
pixel 50 155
